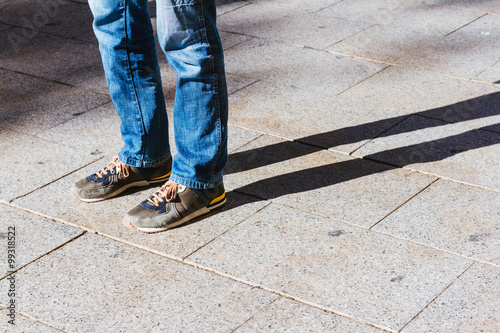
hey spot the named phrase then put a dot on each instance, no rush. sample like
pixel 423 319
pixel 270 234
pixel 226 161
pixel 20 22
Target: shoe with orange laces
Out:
pixel 172 206
pixel 116 177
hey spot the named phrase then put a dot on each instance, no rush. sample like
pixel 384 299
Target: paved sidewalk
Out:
pixel 364 176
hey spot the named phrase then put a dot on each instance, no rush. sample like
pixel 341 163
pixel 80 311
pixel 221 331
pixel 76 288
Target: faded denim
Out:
pixel 188 35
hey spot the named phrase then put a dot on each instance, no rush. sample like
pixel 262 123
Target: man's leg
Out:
pixel 126 41
pixel 188 35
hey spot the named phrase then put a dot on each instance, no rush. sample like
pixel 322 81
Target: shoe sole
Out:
pixel 120 190
pixel 199 212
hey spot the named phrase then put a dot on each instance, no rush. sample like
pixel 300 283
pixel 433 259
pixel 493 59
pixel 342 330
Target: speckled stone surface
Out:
pixel 275 23
pixel 33 236
pixel 23 324
pixel 354 190
pixel 442 149
pixel 326 73
pixel 351 271
pixel 46 55
pixel 309 117
pixel 484 31
pixel 451 216
pixel 405 15
pixel 225 6
pixel 431 95
pixel 491 75
pixel 106 216
pixel 230 39
pixel 31 105
pixel 470 305
pixel 63 18
pixel 421 51
pixel 3 26
pixel 298 5
pixel 40 163
pixel 285 315
pixel 103 286
pixel 484 6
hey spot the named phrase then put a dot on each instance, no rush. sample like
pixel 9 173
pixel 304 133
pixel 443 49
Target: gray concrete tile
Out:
pixel 33 105
pixel 491 75
pixel 420 51
pixel 446 150
pixel 309 117
pixel 297 5
pixel 33 236
pixel 485 30
pixel 23 324
pixel 322 182
pixel 238 137
pixel 406 15
pixel 354 272
pixel 274 23
pixel 32 162
pixel 230 39
pixel 225 6
pixel 484 6
pixel 470 305
pixel 452 100
pixel 45 55
pixel 141 292
pixel 63 18
pixel 451 216
pixel 106 217
pixel 3 26
pixel 91 78
pixel 285 315
pixel 304 68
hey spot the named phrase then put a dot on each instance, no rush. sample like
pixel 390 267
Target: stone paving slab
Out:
pixel 23 324
pixel 313 118
pixel 491 75
pixel 451 216
pixel 474 104
pixel 33 236
pixel 33 162
pixel 348 189
pixel 285 26
pixel 420 51
pixel 326 73
pixel 485 30
pixel 470 305
pixel 63 18
pixel 106 217
pixel 298 5
pixel 351 271
pixel 32 105
pixel 445 150
pixel 285 315
pixel 3 26
pixel 405 15
pixel 45 55
pixel 103 286
pixel 225 6
pixel 485 6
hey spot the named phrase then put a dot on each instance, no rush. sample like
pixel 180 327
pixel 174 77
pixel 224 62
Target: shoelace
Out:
pixel 167 191
pixel 115 162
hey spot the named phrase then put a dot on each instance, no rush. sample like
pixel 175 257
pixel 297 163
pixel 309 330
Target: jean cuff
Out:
pixel 141 163
pixel 196 184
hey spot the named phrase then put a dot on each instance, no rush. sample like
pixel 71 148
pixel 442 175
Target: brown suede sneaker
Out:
pixel 172 206
pixel 117 177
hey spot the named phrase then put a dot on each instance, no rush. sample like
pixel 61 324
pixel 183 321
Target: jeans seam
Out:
pixel 131 78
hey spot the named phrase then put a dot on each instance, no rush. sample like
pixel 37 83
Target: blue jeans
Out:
pixel 188 35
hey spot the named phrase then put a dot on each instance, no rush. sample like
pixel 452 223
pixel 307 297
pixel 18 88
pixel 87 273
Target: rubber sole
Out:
pixel 192 216
pixel 141 183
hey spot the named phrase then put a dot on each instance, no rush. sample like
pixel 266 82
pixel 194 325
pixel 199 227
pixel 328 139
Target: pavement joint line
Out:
pixel 248 85
pixel 363 80
pixel 452 282
pixel 463 26
pixel 42 256
pixel 36 319
pixel 226 231
pixel 36 76
pixel 404 203
pixel 234 9
pixel 55 180
pixel 354 34
pixel 264 308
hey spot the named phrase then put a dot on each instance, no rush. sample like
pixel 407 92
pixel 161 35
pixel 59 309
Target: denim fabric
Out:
pixel 187 34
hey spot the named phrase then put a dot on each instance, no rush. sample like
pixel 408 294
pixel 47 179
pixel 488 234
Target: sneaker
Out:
pixel 172 206
pixel 116 178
